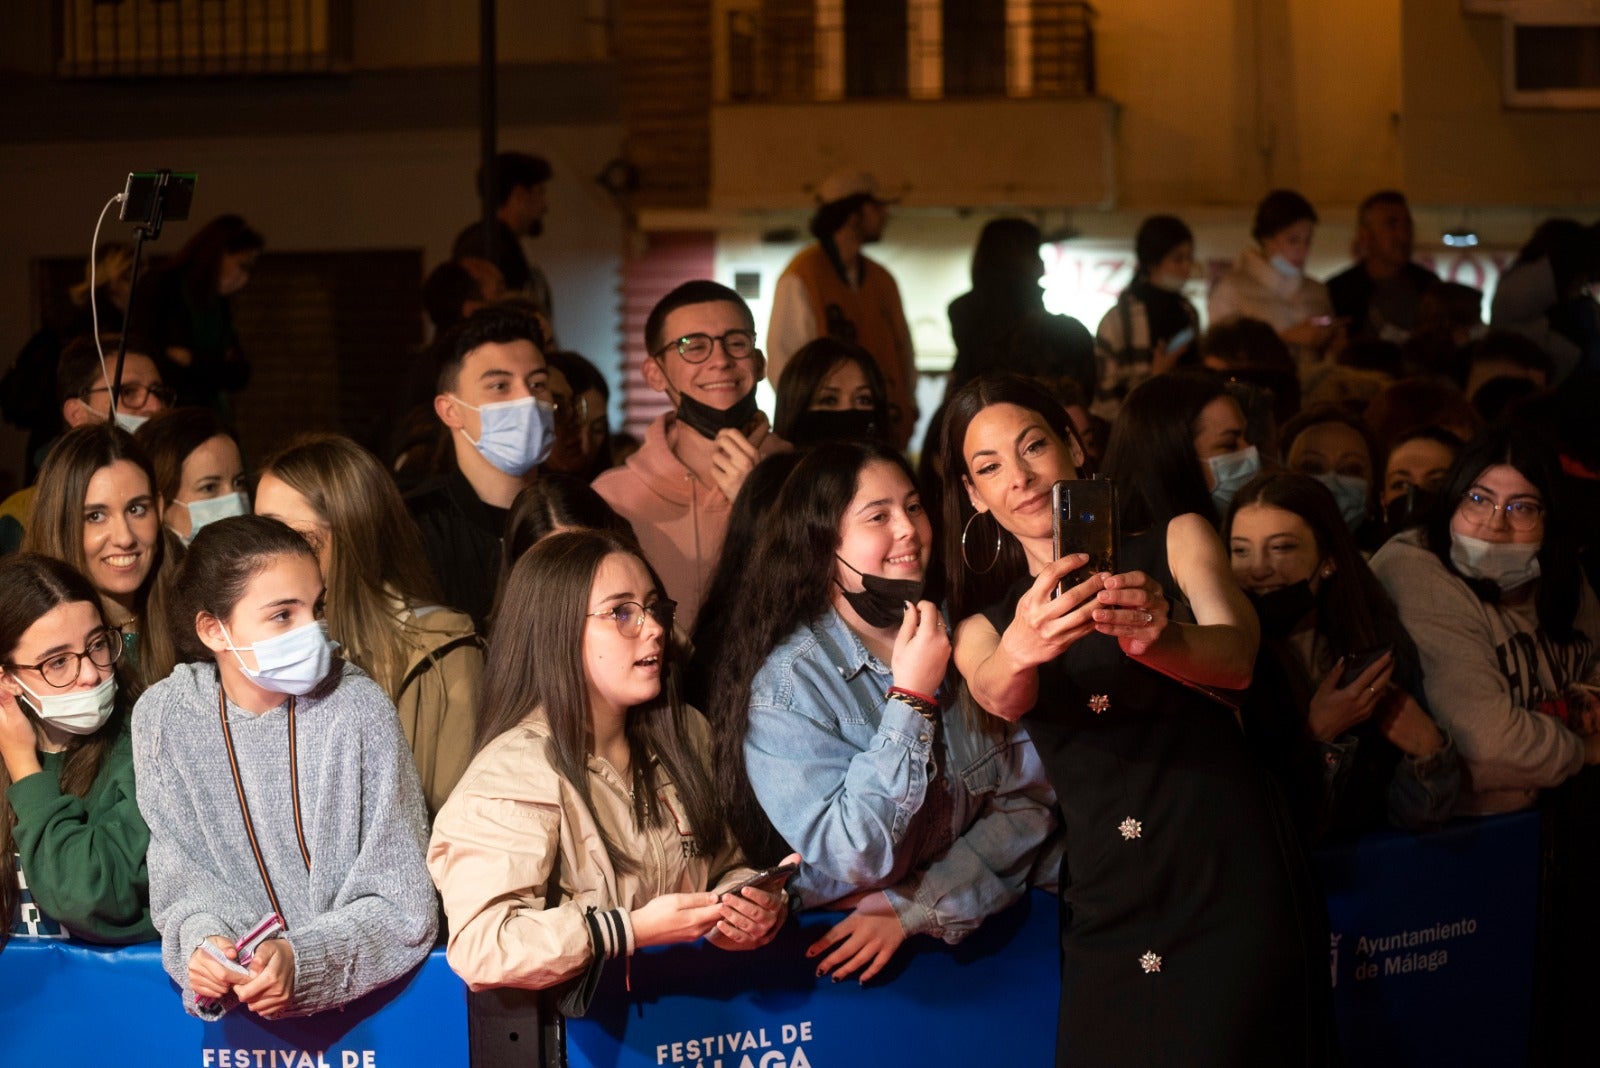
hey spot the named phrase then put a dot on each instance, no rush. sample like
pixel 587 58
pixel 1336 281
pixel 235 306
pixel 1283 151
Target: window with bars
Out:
pixel 809 50
pixel 189 38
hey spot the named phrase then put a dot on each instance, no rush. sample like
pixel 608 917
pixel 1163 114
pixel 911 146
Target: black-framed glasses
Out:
pixel 61 669
pixel 629 615
pixel 696 348
pixel 134 394
pixel 1522 514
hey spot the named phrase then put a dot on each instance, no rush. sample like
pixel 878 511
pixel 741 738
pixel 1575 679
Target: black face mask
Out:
pixel 881 602
pixel 706 420
pixel 1409 509
pixel 848 424
pixel 1282 609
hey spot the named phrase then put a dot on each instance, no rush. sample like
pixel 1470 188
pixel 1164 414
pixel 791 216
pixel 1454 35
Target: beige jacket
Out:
pixel 494 845
pixel 437 699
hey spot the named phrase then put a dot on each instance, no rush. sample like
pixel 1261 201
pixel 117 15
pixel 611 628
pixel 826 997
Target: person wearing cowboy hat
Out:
pixel 830 289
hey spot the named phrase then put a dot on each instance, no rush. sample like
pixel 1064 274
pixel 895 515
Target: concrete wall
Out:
pixel 1462 145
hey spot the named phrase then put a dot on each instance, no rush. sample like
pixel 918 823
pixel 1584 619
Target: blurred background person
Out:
pixel 1152 328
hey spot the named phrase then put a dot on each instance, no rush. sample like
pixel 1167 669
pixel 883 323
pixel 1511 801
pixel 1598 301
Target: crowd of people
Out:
pixel 594 702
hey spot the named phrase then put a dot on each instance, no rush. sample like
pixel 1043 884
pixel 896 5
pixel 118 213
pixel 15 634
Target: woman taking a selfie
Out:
pixel 1193 934
pixel 586 826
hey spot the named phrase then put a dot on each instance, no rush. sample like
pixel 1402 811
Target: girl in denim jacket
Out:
pixel 836 734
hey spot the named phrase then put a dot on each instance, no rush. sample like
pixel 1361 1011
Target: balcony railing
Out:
pixel 790 51
pixel 188 38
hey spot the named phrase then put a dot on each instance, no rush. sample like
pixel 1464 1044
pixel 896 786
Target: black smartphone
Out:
pixel 171 191
pixel 770 879
pixel 1356 663
pixel 1085 520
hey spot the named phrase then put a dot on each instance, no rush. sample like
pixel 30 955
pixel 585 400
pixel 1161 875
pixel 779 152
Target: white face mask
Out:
pixel 294 662
pixel 1283 266
pixel 1172 283
pixel 78 712
pixel 1506 564
pixel 212 509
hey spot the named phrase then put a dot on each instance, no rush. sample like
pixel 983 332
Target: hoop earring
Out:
pixel 965 559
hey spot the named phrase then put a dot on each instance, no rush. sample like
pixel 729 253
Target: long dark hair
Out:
pixel 170 437
pixel 1535 458
pixel 803 374
pixel 970 590
pixel 1151 455
pixel 535 663
pixel 34 584
pixel 788 584
pixel 56 529
pixel 1353 611
pixel 552 503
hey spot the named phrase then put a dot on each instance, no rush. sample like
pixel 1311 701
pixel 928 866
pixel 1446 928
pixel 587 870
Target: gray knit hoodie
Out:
pixel 365 912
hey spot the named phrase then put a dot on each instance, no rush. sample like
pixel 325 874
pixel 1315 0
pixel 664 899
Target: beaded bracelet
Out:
pixel 922 704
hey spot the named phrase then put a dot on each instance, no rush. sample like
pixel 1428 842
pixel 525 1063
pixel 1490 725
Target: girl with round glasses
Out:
pixel 72 843
pixel 586 826
pixel 276 782
pixel 1504 620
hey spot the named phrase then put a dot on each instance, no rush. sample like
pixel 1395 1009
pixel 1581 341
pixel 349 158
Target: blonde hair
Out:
pixel 375 555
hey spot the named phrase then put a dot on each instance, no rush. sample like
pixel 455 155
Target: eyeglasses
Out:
pixel 62 669
pixel 629 615
pixel 696 348
pixel 1521 514
pixel 134 394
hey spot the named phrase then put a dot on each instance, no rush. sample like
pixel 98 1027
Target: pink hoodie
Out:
pixel 680 522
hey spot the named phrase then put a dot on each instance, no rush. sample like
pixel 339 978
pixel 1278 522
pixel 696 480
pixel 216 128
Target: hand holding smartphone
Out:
pixel 769 879
pixel 1357 663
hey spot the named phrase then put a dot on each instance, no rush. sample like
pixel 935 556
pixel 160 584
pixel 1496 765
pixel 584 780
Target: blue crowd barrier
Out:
pixel 67 1003
pixel 1432 958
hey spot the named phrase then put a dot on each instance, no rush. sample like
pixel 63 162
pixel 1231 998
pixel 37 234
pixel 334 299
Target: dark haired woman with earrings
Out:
pixel 1192 934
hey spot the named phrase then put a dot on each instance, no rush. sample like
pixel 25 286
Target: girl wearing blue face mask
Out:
pixel 1342 453
pixel 278 782
pixel 199 472
pixel 72 843
pixel 1179 446
pixel 1506 625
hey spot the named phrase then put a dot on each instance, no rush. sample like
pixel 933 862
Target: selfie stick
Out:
pixel 150 228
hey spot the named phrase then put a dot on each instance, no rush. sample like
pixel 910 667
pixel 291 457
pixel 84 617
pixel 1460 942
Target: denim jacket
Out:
pixel 844 774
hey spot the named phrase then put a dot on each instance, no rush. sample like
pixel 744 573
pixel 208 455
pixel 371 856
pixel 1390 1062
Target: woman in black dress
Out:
pixel 1192 934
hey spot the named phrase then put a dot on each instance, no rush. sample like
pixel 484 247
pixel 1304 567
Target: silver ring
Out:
pixel 1371 690
pixel 1149 617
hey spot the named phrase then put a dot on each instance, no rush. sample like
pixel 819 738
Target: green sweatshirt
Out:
pixel 84 856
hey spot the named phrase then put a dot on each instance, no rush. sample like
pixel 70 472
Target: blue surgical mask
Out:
pixel 516 435
pixel 293 662
pixel 1232 471
pixel 212 509
pixel 1350 492
pixel 130 423
pixel 1283 266
pixel 1506 564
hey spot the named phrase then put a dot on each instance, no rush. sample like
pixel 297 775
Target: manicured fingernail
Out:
pixel 821 973
pixel 837 978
